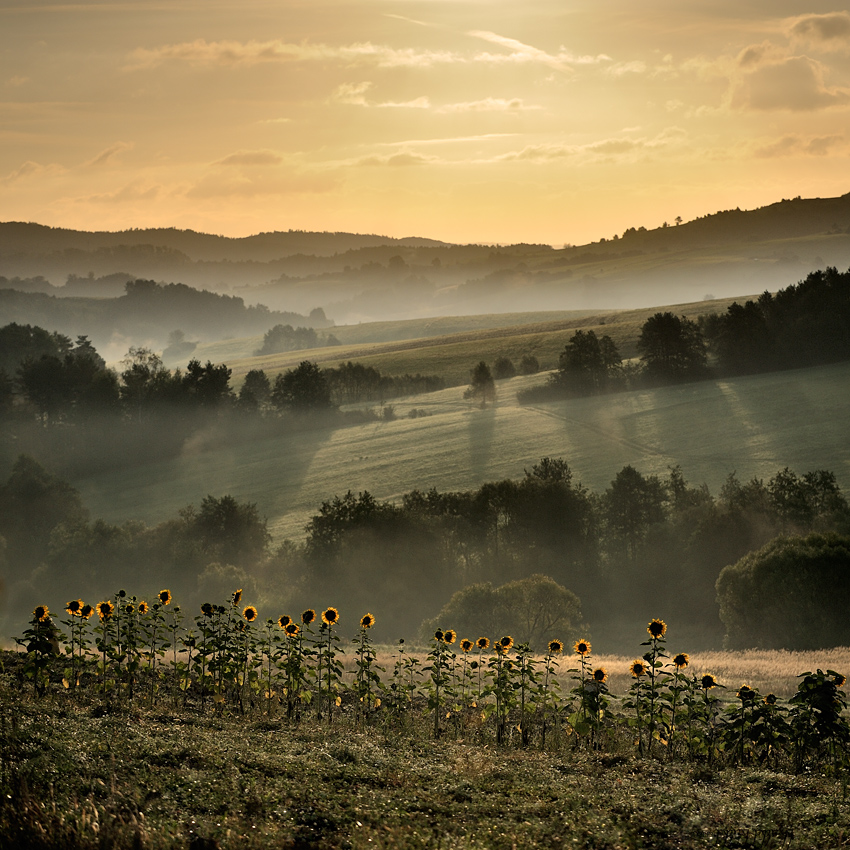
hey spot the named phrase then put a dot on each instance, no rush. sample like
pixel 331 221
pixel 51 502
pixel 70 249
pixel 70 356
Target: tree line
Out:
pixel 645 543
pixel 801 326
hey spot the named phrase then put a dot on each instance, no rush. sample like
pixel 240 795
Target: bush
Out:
pixel 793 593
pixel 532 610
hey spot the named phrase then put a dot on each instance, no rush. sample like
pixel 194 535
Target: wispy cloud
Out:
pixel 264 157
pixel 489 104
pixel 831 30
pixel 235 53
pixel 30 169
pixel 399 160
pixel 519 52
pixel 105 155
pixel 138 190
pixel 794 145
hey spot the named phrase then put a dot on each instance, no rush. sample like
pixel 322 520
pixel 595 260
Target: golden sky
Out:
pixel 466 120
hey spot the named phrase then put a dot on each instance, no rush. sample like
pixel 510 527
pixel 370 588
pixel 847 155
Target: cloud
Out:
pixel 620 69
pixel 105 155
pixel 236 53
pixel 251 158
pixel 795 83
pixel 405 159
pixel 604 148
pixel 519 52
pixel 758 54
pixel 135 191
pixel 30 169
pixel 354 94
pixel 793 145
pixel 489 104
pixel 15 82
pixel 830 30
pixel 238 185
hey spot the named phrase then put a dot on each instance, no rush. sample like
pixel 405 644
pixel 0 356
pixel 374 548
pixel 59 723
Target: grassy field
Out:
pixel 753 425
pixel 82 772
pixel 450 346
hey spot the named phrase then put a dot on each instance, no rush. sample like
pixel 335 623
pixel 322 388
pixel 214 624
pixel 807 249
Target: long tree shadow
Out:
pixel 481 430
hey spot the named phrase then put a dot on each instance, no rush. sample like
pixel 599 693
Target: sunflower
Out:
pixel 708 681
pixel 105 609
pixel 745 693
pixel 308 616
pixel 284 620
pixel 449 636
pixel 41 613
pixel 249 613
pixel 367 621
pixel 499 649
pixel 438 635
pixel 600 674
pixel 466 645
pixel 292 629
pixel 143 607
pixel 656 629
pixel 129 608
pixel 770 699
pixel 506 642
pixel 207 609
pixel 86 611
pixel 582 647
pixel 681 660
pixel 74 607
pixel 330 616
pixel 237 596
pixel 164 597
pixel 556 647
pixel 839 680
pixel 637 668
pixel 482 643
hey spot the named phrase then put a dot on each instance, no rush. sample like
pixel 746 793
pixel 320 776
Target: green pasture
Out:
pixel 752 425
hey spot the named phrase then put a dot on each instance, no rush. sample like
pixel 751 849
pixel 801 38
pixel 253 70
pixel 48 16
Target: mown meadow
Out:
pixel 132 723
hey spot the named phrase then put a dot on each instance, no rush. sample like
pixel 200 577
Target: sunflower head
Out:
pixel 839 680
pixel 681 660
pixel 40 613
pixel 438 635
pixel 129 608
pixel 143 607
pixel 330 616
pixel 556 647
pixel 656 628
pixel 638 668
pixel 207 609
pixel 308 616
pixel 367 621
pixel 770 699
pixel 284 620
pixel 506 642
pixel 582 647
pixel 249 613
pixel 292 629
pixel 482 643
pixel 707 682
pixel 74 607
pixel 600 674
pixel 164 597
pixel 499 649
pixel 449 637
pixel 105 609
pixel 466 645
pixel 236 596
pixel 86 611
pixel 746 693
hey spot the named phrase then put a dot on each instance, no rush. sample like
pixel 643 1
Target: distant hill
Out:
pixel 370 277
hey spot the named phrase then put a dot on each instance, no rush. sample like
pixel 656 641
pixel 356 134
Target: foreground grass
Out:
pixel 90 777
pixel 78 772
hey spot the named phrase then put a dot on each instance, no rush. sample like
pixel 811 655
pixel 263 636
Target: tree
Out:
pixel 793 593
pixel 532 610
pixel 207 386
pixel 230 532
pixel 529 365
pixel 482 386
pixel 586 364
pixel 304 389
pixel 672 348
pixel 631 504
pixel 503 367
pixel 256 390
pixel 142 370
